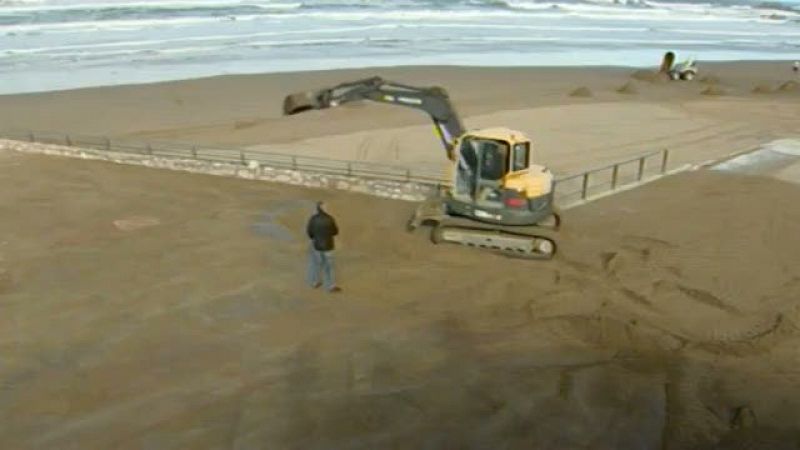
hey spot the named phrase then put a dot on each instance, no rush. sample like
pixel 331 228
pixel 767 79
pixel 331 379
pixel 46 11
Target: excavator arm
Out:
pixel 432 100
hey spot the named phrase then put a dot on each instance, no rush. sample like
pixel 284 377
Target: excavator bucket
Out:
pixel 299 102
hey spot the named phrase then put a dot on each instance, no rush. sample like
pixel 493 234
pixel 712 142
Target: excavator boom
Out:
pixel 432 100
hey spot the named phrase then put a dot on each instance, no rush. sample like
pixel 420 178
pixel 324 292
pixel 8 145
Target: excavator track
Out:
pixel 526 242
pixel 516 245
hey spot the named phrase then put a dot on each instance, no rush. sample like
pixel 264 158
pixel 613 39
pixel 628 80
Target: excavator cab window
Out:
pixel 467 168
pixel 521 156
pixel 494 159
pixel 482 165
pixel 469 154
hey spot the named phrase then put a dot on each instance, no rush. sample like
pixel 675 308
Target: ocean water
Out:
pixel 60 44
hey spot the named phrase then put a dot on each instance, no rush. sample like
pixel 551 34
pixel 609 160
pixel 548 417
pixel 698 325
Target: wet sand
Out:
pixel 154 309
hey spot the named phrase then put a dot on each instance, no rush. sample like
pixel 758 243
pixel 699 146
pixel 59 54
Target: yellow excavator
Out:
pixel 497 198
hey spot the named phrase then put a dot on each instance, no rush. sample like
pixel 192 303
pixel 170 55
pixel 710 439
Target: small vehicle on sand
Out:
pixel 686 70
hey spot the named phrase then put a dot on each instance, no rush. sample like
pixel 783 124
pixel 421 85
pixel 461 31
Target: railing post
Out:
pixel 294 162
pixel 108 144
pixel 241 156
pixel 641 169
pixel 349 168
pixel 408 175
pixel 149 149
pixel 194 152
pixel 664 160
pixel 585 188
pixel 68 140
pixel 31 136
pixel 614 176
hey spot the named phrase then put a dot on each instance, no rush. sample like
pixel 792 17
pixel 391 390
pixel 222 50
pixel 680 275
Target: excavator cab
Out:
pixel 494 180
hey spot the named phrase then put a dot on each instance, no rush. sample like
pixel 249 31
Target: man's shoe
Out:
pixel 316 285
pixel 335 289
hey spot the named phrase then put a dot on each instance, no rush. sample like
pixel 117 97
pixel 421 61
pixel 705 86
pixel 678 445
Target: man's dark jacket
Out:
pixel 321 229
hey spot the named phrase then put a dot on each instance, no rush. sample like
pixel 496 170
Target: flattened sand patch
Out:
pixel 136 223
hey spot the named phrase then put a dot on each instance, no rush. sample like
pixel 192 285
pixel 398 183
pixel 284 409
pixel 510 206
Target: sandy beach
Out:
pixel 148 308
pixel 697 121
pixel 153 309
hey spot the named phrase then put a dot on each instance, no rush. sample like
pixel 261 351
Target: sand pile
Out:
pixel 650 76
pixel 789 86
pixel 582 91
pixel 244 124
pixel 628 88
pixel 762 89
pixel 713 90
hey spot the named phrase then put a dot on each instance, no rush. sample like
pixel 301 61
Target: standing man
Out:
pixel 321 229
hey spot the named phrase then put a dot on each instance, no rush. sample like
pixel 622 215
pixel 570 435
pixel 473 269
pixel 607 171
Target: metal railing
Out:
pixel 232 155
pixel 569 189
pixel 594 182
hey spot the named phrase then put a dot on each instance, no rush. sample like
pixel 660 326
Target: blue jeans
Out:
pixel 320 262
